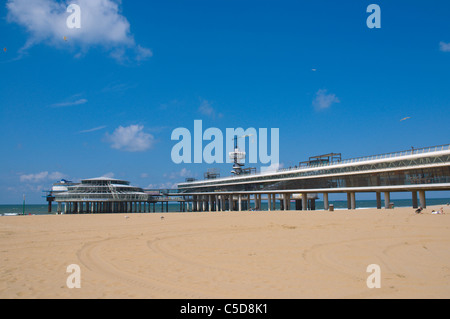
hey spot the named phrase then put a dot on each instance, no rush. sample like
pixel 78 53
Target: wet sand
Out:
pixel 228 255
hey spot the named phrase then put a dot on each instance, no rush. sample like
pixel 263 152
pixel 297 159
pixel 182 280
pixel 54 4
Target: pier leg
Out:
pixel 269 202
pixel 326 203
pixel 353 200
pixel 304 201
pixel 387 199
pixel 287 201
pixel 59 208
pixel 414 199
pixel 349 201
pixel 378 200
pixel 240 202
pixel 423 202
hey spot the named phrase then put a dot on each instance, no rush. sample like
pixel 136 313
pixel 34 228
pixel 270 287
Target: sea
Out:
pixel 8 210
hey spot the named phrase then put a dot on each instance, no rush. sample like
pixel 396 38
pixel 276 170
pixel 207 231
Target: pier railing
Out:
pixel 412 151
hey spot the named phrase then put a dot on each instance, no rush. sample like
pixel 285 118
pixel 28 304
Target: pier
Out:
pixel 108 195
pixel 417 171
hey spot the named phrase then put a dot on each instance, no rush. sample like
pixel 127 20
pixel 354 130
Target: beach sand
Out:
pixel 262 255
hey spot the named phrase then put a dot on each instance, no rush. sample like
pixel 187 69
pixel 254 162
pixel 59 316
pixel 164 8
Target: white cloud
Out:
pixel 65 104
pixel 102 24
pixel 272 168
pixel 324 100
pixel 167 185
pixel 445 47
pixel 206 108
pixel 41 177
pixel 93 129
pixel 183 173
pixel 108 175
pixel 130 139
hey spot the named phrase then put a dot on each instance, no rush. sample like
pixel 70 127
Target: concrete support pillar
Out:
pixel 240 202
pixel 59 208
pixel 387 199
pixel 304 201
pixel 349 201
pixel 287 201
pixel 326 203
pixel 414 199
pixel 422 199
pixel 378 200
pixel 269 202
pixel 352 200
pixel 210 204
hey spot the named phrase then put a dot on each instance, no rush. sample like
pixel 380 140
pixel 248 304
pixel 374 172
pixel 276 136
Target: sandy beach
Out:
pixel 228 255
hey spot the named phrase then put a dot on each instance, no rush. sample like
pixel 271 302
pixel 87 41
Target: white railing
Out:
pixel 412 151
pixel 377 157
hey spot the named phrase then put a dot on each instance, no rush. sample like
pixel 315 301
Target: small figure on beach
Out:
pixel 438 212
pixel 162 217
pixel 419 210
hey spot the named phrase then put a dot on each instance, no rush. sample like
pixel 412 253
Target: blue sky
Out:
pixel 104 101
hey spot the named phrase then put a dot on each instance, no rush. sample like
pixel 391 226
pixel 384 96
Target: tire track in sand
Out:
pixel 148 286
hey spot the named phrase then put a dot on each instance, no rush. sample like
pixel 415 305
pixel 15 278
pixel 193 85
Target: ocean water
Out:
pixel 42 209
